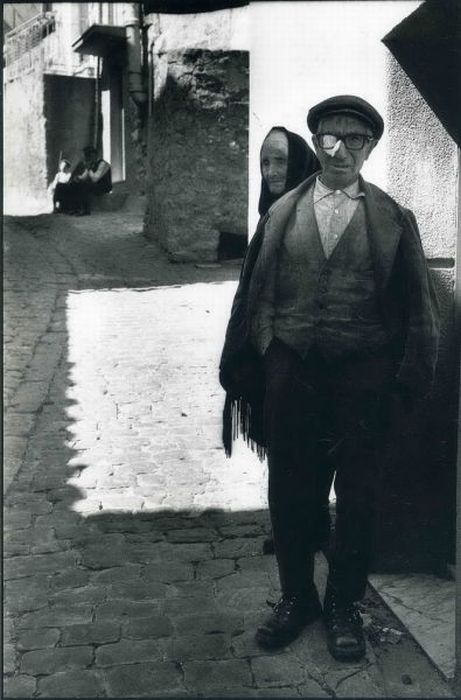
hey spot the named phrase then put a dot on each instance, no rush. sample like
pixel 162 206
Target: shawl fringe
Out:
pixel 237 420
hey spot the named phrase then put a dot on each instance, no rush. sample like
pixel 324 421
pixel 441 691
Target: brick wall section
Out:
pixel 198 152
pixel 69 112
pixel 24 164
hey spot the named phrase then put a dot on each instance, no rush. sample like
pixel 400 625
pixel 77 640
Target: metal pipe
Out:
pixel 136 87
pixel 458 461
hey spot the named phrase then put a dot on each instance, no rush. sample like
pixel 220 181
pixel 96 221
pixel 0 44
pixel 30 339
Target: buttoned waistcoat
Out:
pixel 404 287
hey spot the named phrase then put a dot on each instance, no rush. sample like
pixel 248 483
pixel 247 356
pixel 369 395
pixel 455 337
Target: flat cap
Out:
pixel 346 104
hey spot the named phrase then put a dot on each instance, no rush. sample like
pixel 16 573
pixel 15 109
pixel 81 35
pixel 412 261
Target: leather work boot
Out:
pixel 289 617
pixel 345 638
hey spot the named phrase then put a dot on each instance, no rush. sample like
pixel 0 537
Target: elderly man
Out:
pixel 336 317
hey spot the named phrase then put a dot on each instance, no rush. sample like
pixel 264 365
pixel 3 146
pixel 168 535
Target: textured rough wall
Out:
pixel 69 113
pixel 422 164
pixel 227 30
pixel 198 151
pixel 422 175
pixel 24 157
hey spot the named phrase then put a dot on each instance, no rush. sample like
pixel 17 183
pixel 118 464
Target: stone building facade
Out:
pixel 198 153
pixel 197 134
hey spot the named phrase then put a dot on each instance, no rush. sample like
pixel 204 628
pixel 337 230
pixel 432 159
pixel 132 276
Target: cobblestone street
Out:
pixel 133 547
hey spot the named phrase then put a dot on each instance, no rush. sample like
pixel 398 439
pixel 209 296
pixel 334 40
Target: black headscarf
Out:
pixel 302 162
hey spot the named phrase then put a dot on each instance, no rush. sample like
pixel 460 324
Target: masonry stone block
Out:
pixel 21 686
pixel 47 661
pixel 144 680
pixel 127 651
pixel 37 639
pixel 73 684
pixel 213 675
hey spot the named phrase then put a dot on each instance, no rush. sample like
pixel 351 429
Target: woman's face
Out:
pixel 274 161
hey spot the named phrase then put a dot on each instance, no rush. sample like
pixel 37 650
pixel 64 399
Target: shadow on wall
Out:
pixel 417 527
pixel 198 141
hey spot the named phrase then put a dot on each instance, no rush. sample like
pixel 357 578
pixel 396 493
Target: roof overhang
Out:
pixel 100 40
pixel 190 6
pixel 427 45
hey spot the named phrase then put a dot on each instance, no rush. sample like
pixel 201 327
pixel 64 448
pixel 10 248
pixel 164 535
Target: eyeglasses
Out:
pixel 353 142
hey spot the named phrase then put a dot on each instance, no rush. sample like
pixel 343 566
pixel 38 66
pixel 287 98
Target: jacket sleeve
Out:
pixel 417 368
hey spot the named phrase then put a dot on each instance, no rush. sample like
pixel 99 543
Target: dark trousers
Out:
pixel 316 411
pixel 63 197
pixel 81 196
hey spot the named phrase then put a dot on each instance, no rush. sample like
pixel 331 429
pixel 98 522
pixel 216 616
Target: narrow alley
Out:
pixel 133 547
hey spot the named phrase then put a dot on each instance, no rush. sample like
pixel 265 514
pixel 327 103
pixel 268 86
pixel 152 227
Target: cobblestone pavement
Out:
pixel 132 547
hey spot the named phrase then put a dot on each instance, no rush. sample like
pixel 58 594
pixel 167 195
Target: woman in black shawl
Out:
pixel 285 161
pixel 301 162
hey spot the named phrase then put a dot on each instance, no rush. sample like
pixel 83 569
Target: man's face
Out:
pixel 88 157
pixel 340 165
pixel 274 161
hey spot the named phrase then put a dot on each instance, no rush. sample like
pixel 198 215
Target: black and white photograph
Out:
pixel 231 349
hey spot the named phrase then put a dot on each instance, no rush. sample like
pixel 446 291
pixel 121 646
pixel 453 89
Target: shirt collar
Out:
pixel 321 191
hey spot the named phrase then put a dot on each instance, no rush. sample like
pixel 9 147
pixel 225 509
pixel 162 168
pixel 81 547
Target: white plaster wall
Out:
pixel 303 52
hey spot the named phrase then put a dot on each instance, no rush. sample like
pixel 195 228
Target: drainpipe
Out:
pixel 458 461
pixel 136 87
pixel 97 107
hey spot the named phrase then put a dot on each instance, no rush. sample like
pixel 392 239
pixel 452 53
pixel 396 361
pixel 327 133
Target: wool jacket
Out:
pixel 406 296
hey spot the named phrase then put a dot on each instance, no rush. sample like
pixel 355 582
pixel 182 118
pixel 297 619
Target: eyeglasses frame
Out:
pixel 340 137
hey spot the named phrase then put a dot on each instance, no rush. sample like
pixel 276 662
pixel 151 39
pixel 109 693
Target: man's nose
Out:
pixel 341 150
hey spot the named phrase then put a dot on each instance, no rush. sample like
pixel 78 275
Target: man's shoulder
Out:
pixel 388 205
pixel 381 195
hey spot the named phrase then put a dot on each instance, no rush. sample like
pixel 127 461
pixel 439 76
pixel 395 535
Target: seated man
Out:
pixel 93 178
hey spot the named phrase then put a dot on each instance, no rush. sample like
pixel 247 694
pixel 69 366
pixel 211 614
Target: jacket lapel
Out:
pixel 278 216
pixel 384 231
pixel 383 224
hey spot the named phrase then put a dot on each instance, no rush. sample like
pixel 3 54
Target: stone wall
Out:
pixel 198 151
pixel 24 156
pixel 69 112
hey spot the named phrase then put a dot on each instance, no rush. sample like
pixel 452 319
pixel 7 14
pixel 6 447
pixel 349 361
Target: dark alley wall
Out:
pixel 198 152
pixel 69 112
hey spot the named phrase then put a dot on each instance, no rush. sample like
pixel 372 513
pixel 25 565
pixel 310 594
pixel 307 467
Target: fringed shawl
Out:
pixel 241 371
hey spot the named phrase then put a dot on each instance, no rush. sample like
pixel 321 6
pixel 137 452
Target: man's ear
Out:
pixel 315 143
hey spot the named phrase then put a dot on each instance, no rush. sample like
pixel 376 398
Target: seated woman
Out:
pixel 60 188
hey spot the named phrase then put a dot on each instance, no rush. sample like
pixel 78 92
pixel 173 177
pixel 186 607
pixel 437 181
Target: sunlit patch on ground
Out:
pixel 145 410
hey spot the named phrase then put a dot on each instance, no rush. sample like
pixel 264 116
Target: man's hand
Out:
pixel 84 176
